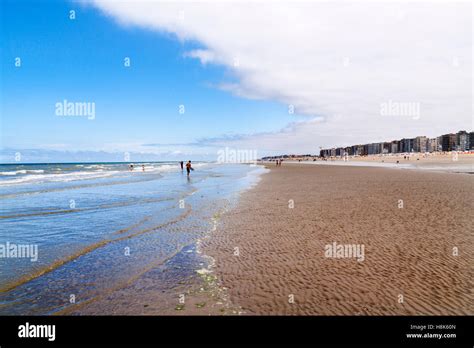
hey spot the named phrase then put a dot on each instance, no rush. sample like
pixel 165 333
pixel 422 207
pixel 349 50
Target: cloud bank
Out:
pixel 335 62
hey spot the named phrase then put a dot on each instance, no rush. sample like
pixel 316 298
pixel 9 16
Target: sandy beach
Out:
pixel 414 227
pixel 436 161
pixel 454 162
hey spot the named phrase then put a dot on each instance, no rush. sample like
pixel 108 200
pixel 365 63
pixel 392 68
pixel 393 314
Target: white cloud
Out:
pixel 337 59
pixel 205 56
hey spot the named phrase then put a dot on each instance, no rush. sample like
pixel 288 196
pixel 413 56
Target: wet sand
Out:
pixel 271 257
pixel 174 288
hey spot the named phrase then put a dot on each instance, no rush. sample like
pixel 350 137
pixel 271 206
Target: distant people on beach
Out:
pixel 182 165
pixel 189 167
pixel 143 167
pixel 131 167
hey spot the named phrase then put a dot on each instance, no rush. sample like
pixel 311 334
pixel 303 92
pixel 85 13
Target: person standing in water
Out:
pixel 188 167
pixel 181 164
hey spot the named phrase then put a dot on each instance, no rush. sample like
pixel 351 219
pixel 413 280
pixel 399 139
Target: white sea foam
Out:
pixel 23 171
pixel 12 172
pixel 36 178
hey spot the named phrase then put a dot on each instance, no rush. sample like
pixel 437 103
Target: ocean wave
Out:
pixel 23 171
pixel 36 178
pixel 13 172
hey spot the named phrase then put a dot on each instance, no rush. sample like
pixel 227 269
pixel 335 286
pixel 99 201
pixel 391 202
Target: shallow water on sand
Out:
pixel 101 227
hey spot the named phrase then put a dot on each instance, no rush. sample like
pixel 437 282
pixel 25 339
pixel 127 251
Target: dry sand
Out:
pixel 408 251
pixel 455 162
pixel 451 161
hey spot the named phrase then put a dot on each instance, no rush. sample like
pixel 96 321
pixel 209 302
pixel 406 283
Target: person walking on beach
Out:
pixel 181 164
pixel 188 167
pixel 143 167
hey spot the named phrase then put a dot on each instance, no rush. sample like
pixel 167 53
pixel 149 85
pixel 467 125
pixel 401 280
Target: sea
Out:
pixel 98 227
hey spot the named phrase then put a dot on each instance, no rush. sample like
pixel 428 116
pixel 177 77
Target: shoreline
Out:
pixel 281 267
pixel 194 290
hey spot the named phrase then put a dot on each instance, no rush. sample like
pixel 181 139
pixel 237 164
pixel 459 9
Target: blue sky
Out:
pixel 335 63
pixel 83 60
